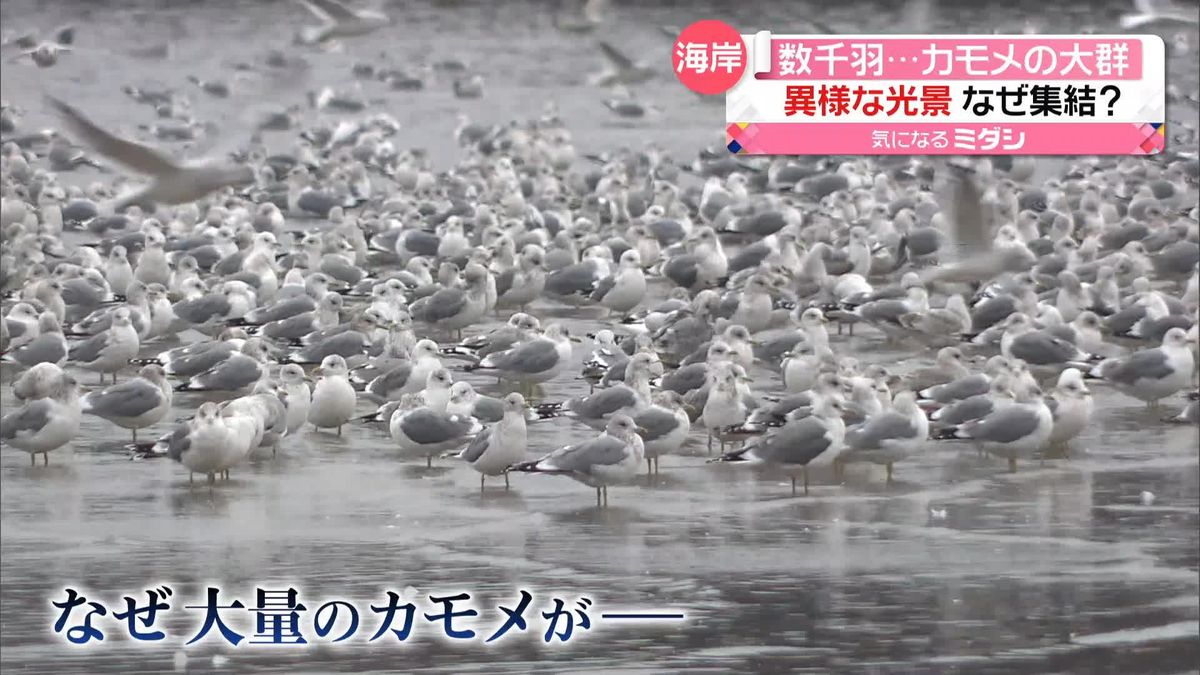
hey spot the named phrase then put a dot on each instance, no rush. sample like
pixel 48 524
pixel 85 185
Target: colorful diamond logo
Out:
pixel 734 147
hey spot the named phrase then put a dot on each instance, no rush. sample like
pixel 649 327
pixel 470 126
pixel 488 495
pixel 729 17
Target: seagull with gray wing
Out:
pixel 171 182
pixel 611 458
pixel 809 441
pixel 501 445
pixel 338 20
pixel 1152 374
pixel 889 436
pixel 140 402
pixel 623 70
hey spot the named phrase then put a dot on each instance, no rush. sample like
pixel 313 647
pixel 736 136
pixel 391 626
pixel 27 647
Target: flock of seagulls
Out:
pixel 242 304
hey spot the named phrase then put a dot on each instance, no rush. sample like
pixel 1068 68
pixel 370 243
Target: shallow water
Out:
pixel 957 566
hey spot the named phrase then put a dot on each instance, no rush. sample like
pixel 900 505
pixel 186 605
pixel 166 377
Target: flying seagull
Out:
pixel 171 182
pixel 340 21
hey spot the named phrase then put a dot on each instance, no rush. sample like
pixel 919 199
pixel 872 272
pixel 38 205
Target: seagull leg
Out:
pixel 793 486
pixel 191 478
pixel 135 436
pixel 710 441
pixel 649 467
pixel 889 472
pixel 429 461
pixel 1012 464
pixel 339 430
pixel 506 480
pixel 212 478
pixel 605 496
pixel 226 474
pixel 481 481
pixel 597 497
pixel 33 459
pixel 806 480
pixel 45 459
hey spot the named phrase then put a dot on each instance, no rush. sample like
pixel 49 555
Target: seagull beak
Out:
pixel 572 338
pixel 641 430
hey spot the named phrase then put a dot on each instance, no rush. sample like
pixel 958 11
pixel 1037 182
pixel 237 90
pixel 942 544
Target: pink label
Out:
pixel 952 58
pixel 819 138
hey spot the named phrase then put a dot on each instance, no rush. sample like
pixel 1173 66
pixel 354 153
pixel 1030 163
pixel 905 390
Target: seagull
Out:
pixel 44 424
pixel 1189 415
pixel 890 435
pixel 1156 11
pixel 591 15
pixel 37 382
pixel 46 53
pixel 625 288
pixel 171 182
pixel 204 444
pixel 137 403
pixel 815 440
pixel 501 445
pixel 48 347
pixel 623 70
pixel 538 360
pixel 340 21
pixel 1014 430
pixel 664 427
pixel 407 376
pixel 611 458
pixel 110 351
pixel 422 430
pixel 294 384
pixel 629 397
pixel 464 400
pixel 233 370
pixel 1152 374
pixel 456 308
pixel 333 398
pixel 1071 405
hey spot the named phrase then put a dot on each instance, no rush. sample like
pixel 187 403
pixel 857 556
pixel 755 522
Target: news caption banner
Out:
pixel 930 94
pixel 282 617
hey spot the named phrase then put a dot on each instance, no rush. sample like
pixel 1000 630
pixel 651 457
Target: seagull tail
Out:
pixel 529 467
pixel 460 352
pixel 738 455
pixel 1178 418
pixel 944 433
pixel 1088 362
pixel 962 431
pixel 547 411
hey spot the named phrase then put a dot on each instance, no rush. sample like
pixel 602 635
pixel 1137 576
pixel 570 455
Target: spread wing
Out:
pixel 133 155
pixel 330 9
pixel 618 59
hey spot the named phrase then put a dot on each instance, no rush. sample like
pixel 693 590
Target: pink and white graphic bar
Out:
pixel 822 138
